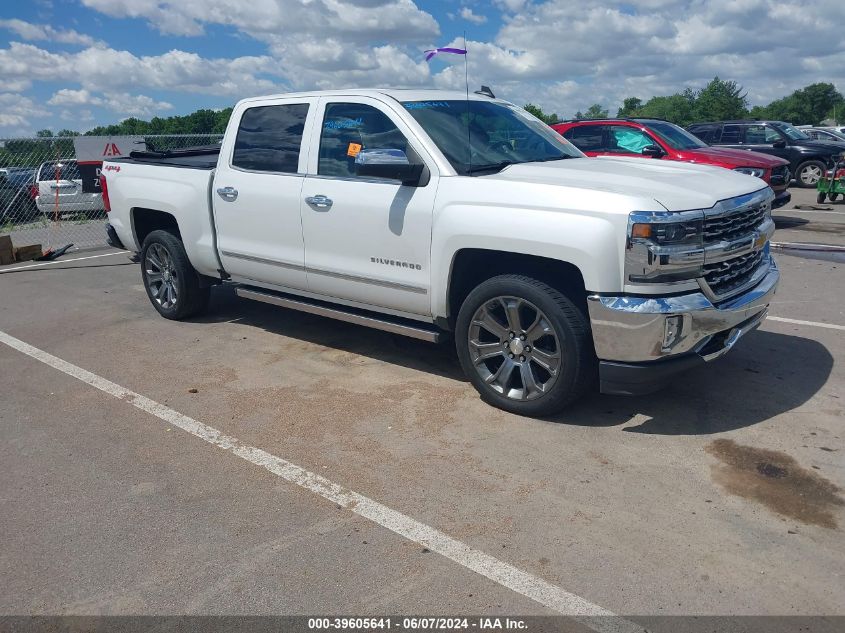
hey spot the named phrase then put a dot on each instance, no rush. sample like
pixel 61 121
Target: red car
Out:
pixel 652 138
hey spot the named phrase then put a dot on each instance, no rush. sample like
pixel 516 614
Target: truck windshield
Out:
pixel 674 136
pixel 486 136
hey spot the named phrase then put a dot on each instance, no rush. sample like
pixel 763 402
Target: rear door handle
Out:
pixel 229 194
pixel 321 202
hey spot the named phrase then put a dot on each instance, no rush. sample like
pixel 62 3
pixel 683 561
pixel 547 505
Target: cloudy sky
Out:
pixel 80 63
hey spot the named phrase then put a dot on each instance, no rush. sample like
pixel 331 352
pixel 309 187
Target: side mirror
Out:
pixel 779 144
pixel 388 163
pixel 654 151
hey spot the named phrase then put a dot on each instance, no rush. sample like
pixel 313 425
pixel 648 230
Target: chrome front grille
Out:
pixel 737 224
pixel 738 229
pixel 730 275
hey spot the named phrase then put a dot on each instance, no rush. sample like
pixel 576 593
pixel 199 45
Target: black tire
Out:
pixel 802 175
pixel 820 198
pixel 192 297
pixel 573 341
pixel 834 197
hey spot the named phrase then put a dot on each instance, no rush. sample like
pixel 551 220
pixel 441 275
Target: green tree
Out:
pixel 808 106
pixel 67 133
pixel 44 133
pixel 595 111
pixel 677 108
pixel 720 100
pixel 630 107
pixel 548 119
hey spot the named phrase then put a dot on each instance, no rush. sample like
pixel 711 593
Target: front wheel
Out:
pixel 809 173
pixel 820 198
pixel 524 345
pixel 172 284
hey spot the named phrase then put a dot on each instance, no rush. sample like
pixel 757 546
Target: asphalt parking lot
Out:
pixel 721 495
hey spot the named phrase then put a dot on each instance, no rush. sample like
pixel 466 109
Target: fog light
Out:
pixel 671 332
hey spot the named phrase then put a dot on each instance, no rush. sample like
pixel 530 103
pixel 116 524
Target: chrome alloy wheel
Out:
pixel 514 348
pixel 161 276
pixel 810 175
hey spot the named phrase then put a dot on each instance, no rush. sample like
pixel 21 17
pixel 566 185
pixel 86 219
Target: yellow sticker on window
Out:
pixel 353 150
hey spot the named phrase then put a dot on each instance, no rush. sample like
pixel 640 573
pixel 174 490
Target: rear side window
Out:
pixel 761 135
pixel 731 134
pixel 270 137
pixel 587 138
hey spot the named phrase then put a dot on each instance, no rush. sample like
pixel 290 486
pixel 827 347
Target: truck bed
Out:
pixel 200 157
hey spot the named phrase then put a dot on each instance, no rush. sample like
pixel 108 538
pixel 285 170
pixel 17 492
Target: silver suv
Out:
pixel 60 191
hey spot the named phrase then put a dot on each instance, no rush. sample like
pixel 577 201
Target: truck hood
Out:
pixel 676 186
pixel 734 157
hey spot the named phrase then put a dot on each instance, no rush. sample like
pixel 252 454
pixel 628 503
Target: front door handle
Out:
pixel 321 202
pixel 229 194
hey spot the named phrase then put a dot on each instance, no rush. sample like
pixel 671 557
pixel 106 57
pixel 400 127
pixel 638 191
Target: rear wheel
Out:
pixel 524 345
pixel 809 173
pixel 834 197
pixel 172 284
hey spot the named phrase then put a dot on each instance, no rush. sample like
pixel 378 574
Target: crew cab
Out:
pixel 653 138
pixel 808 158
pixel 430 214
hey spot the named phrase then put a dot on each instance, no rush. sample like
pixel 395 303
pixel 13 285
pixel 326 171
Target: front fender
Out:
pixel 592 241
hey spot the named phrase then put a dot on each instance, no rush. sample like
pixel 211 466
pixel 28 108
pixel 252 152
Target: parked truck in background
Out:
pixel 428 214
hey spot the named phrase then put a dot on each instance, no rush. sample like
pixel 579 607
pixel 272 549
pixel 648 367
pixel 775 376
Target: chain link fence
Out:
pixel 41 196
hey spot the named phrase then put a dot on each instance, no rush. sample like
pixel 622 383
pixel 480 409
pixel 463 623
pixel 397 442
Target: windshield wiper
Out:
pixel 550 158
pixel 491 167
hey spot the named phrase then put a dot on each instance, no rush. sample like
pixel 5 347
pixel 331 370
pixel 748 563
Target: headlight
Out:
pixel 751 171
pixel 664 247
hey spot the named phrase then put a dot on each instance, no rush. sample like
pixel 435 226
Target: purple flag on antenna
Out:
pixel 432 52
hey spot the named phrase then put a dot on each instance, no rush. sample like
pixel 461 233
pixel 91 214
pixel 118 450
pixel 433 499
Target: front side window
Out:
pixel 761 135
pixel 349 128
pixel 587 138
pixel 269 138
pixel 478 136
pixel 793 133
pixel 628 140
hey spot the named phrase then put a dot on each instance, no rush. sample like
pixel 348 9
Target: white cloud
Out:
pixel 468 15
pixel 31 32
pixel 109 70
pixel 561 55
pixel 123 103
pixel 16 112
pixel 69 97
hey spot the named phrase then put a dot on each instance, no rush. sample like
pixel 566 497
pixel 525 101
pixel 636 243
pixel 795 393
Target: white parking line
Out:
pixel 62 261
pixel 778 212
pixel 829 326
pixel 513 578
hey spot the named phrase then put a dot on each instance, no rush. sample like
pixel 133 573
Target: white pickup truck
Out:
pixel 425 213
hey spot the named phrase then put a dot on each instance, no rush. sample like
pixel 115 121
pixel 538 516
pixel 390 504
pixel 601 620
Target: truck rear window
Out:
pixel 269 138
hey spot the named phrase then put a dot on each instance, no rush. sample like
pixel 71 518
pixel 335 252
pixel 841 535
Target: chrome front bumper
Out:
pixel 654 333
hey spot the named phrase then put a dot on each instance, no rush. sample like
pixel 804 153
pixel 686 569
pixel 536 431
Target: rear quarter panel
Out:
pixel 182 192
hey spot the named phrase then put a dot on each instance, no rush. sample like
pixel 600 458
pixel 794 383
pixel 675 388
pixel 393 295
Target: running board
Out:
pixel 350 316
